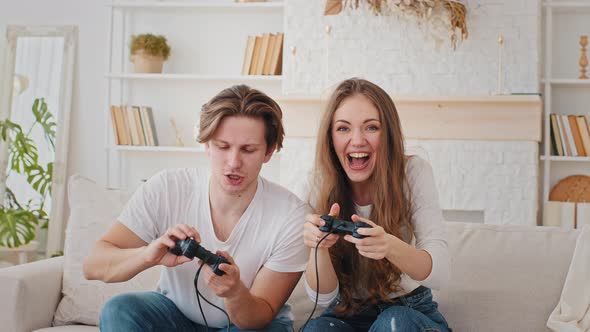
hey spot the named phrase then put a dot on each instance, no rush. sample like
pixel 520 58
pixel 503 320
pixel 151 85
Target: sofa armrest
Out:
pixel 30 294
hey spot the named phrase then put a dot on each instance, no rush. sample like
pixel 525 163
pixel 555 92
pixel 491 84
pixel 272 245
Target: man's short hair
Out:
pixel 241 100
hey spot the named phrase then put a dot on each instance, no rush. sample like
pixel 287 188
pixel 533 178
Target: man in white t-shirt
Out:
pixel 232 211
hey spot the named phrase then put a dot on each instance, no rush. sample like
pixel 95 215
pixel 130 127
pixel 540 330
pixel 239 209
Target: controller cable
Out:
pixel 199 295
pixel 317 279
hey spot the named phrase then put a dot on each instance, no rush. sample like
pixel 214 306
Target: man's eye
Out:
pixel 222 147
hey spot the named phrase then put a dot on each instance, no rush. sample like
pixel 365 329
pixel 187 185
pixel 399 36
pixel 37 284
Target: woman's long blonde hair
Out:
pixel 390 198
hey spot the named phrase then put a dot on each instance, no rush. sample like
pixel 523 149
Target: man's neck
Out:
pixel 227 209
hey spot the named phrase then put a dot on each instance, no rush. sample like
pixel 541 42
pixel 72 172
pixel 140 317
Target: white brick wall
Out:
pixel 497 178
pixel 397 55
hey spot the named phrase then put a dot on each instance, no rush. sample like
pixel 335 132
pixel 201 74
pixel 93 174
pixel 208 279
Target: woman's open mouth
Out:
pixel 358 160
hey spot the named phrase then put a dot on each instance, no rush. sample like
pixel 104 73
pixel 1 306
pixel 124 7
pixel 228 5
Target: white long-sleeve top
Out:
pixel 429 232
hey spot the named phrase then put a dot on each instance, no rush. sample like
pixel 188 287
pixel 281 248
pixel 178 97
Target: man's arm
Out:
pixel 116 256
pixel 120 254
pixel 257 307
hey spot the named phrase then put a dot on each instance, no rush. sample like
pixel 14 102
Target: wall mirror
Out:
pixel 34 126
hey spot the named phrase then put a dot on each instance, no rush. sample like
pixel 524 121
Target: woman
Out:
pixel 381 282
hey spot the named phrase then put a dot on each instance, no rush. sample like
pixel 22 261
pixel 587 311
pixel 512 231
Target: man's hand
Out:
pixel 227 285
pixel 157 252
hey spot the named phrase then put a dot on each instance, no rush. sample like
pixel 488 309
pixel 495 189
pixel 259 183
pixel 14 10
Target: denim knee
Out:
pixel 321 324
pixel 401 318
pixel 116 312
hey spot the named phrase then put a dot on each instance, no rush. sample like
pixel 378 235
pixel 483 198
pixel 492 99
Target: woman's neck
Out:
pixel 361 193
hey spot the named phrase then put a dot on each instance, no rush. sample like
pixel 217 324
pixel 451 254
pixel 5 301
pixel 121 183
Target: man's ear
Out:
pixel 269 154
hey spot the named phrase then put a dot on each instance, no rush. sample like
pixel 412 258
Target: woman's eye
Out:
pixel 372 128
pixel 222 147
pixel 341 129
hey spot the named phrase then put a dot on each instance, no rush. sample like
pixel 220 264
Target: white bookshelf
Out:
pixel 194 77
pixel 563 91
pixel 220 4
pixel 208 40
pixel 133 148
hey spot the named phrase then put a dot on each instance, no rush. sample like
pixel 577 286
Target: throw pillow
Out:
pixel 92 210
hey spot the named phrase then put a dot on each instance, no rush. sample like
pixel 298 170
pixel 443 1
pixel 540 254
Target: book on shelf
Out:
pixel 559 214
pixel 255 55
pixel 266 70
pixel 133 125
pixel 248 55
pixel 555 136
pixel 576 135
pixel 138 126
pixel 584 128
pixel 569 139
pixel 263 54
pixel 277 55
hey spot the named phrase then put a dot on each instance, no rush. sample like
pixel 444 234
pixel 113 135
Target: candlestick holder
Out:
pixel 583 58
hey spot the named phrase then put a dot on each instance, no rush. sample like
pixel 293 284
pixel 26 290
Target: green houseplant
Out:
pixel 148 52
pixel 19 221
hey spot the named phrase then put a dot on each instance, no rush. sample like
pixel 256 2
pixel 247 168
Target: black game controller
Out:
pixel 190 248
pixel 337 226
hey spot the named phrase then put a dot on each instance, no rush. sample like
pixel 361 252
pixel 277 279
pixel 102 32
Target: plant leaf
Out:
pixel 17 227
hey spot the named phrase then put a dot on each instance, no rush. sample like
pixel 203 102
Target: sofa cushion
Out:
pixel 504 277
pixel 92 210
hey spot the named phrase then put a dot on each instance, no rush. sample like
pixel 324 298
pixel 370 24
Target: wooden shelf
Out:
pixel 194 77
pixel 198 5
pixel 565 5
pixel 566 81
pixel 135 148
pixel 566 158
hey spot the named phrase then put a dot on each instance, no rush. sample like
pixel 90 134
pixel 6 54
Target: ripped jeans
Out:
pixel 413 312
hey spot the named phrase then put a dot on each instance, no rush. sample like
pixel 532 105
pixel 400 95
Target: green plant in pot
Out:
pixel 148 52
pixel 19 221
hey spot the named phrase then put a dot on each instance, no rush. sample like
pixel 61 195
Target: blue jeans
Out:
pixel 152 311
pixel 413 312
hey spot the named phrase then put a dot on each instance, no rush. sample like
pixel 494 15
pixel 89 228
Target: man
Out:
pixel 255 224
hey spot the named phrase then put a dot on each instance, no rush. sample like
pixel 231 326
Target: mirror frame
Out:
pixel 57 216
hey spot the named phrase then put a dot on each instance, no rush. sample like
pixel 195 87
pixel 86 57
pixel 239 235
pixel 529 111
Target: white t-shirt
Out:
pixel 429 231
pixel 269 233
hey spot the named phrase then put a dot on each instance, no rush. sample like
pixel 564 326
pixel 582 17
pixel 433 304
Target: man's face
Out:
pixel 237 151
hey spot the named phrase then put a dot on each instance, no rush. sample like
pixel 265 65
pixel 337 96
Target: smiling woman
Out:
pixel 34 123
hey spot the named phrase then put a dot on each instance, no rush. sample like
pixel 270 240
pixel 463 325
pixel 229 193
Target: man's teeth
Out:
pixel 358 155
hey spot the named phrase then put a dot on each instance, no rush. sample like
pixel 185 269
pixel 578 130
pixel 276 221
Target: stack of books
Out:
pixel 133 125
pixel 264 55
pixel 570 135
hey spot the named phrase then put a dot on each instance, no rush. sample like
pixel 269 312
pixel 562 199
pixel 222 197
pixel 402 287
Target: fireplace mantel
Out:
pixel 496 118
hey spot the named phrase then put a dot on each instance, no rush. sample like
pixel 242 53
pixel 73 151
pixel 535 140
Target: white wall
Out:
pixel 396 54
pixel 86 137
pixel 403 61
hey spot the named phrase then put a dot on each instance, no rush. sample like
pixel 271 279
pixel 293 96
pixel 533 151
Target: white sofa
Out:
pixel 504 278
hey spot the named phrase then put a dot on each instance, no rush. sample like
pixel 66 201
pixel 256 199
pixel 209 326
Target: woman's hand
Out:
pixel 377 245
pixel 157 251
pixel 311 230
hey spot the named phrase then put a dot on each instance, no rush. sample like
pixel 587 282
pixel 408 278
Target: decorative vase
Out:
pixel 147 63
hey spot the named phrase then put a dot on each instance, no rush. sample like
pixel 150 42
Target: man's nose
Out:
pixel 234 159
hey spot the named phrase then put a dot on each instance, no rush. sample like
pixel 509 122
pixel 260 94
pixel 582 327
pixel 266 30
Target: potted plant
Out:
pixel 148 52
pixel 19 221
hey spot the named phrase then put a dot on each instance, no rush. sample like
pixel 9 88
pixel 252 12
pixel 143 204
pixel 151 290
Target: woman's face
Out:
pixel 356 134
